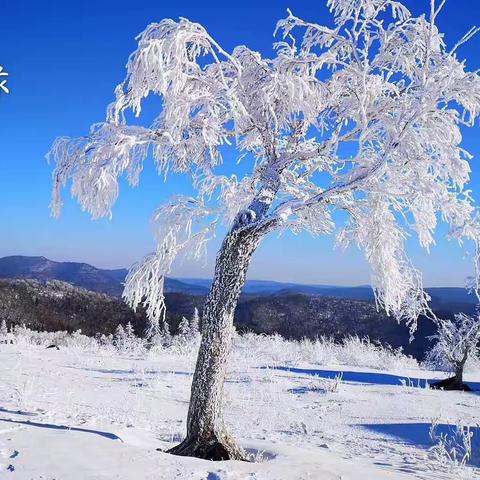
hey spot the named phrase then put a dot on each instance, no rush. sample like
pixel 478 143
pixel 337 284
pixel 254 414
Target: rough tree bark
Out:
pixel 459 373
pixel 207 436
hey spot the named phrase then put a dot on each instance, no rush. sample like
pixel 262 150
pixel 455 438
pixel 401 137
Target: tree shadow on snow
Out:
pixel 373 378
pixel 418 435
pixel 110 436
pixel 17 412
pixel 130 371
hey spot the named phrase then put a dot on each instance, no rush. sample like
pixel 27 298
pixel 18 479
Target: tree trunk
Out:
pixel 456 382
pixel 459 374
pixel 206 434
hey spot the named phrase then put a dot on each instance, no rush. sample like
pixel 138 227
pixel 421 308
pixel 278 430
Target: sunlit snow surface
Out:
pixel 71 414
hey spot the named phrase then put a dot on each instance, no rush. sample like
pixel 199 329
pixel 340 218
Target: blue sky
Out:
pixel 64 60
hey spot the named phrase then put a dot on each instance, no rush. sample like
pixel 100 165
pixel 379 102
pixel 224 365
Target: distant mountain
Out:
pixel 82 275
pixel 173 285
pixel 269 287
pixel 256 287
pixel 449 296
pixel 110 282
pixel 441 296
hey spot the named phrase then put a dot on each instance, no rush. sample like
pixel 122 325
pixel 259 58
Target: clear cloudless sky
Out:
pixel 65 58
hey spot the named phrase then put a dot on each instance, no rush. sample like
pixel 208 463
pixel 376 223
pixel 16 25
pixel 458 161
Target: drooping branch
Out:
pixel 182 230
pixel 95 163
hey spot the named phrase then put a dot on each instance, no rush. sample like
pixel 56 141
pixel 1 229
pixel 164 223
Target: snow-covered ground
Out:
pixel 80 414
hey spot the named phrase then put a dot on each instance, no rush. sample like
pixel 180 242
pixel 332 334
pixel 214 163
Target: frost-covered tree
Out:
pixel 163 338
pixel 456 341
pixel 120 338
pixel 184 328
pixel 125 339
pixel 3 332
pixel 106 340
pixel 188 331
pixel 362 117
pixel 129 331
pixel 195 323
pixel 3 329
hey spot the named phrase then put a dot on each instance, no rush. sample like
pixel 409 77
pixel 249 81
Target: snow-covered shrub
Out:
pixel 21 333
pixel 73 341
pixel 185 344
pixel 362 352
pixel 105 340
pixel 268 349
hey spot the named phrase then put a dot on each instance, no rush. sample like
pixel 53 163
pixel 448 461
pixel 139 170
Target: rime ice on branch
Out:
pixel 362 117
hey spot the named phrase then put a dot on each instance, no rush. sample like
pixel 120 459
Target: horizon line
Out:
pixel 320 285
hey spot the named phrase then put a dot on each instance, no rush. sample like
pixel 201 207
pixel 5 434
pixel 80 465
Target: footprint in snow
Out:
pixel 8 455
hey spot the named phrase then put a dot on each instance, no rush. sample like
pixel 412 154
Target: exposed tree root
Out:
pixel 451 383
pixel 209 449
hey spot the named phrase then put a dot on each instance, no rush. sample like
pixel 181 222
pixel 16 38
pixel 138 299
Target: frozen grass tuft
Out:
pixel 249 348
pixel 274 350
pixel 455 449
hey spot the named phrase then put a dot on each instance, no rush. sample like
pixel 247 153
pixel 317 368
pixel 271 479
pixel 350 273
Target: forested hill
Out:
pixel 111 283
pixel 82 275
pixel 56 305
pixel 33 292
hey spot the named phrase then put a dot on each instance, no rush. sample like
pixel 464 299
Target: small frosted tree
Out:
pixel 195 323
pixel 456 341
pixel 188 331
pixel 184 328
pixel 3 328
pixel 129 331
pixel 361 117
pixel 3 332
pixel 125 339
pixel 163 338
pixel 120 338
pixel 166 335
